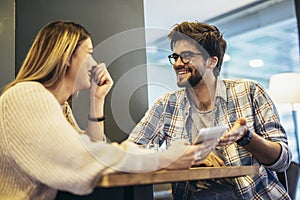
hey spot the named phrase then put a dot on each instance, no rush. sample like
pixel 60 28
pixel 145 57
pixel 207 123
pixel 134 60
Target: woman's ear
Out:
pixel 68 65
pixel 68 58
pixel 212 62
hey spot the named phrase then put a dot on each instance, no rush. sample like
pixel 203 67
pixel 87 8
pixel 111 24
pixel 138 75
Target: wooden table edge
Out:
pixel 164 176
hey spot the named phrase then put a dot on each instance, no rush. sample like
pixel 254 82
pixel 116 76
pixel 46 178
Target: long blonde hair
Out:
pixel 52 48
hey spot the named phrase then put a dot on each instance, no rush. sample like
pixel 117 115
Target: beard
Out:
pixel 191 81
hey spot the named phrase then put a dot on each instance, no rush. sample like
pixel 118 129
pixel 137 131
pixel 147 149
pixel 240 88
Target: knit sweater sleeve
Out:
pixel 46 148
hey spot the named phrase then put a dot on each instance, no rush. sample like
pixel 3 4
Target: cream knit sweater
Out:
pixel 41 152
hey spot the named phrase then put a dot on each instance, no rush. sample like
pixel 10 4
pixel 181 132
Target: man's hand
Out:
pixel 212 160
pixel 238 131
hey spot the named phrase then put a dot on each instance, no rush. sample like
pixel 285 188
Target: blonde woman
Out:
pixel 42 149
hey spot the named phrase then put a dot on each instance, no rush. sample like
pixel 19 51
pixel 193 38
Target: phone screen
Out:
pixel 209 134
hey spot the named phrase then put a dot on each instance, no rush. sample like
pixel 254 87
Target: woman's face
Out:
pixel 81 66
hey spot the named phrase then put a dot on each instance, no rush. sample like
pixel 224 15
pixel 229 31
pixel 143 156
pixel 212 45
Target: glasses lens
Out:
pixel 173 58
pixel 186 57
pixel 185 60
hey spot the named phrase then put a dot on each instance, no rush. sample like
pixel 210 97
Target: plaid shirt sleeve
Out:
pixel 248 99
pixel 267 124
pixel 163 121
pixel 149 129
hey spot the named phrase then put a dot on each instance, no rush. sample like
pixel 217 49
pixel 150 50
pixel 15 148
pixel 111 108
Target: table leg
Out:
pixel 138 192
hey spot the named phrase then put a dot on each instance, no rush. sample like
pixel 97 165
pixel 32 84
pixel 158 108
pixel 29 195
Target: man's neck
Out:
pixel 203 94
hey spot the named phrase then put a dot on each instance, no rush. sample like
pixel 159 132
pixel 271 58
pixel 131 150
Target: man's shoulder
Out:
pixel 242 85
pixel 242 82
pixel 177 94
pixel 172 97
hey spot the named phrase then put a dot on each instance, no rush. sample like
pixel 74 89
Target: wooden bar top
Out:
pixel 164 176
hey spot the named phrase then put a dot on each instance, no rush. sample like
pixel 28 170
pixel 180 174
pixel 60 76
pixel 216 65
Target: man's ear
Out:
pixel 212 62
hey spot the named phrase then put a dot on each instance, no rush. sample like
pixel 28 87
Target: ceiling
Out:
pixel 165 13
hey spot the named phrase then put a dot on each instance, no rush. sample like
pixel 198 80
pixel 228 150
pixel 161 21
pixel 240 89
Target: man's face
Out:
pixel 191 73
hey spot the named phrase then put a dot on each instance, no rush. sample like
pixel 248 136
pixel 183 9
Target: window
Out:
pixel 262 40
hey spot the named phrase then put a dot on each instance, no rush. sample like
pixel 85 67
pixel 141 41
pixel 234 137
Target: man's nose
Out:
pixel 178 63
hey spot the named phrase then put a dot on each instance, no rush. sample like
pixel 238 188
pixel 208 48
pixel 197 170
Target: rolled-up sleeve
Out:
pixel 284 158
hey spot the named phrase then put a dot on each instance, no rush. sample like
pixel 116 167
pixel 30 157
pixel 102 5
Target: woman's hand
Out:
pixel 101 82
pixel 180 155
pixel 238 130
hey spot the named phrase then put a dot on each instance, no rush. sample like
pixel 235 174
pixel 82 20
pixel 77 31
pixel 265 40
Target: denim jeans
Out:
pixel 216 189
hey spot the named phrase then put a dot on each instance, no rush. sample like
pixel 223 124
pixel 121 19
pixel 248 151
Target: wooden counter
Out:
pixel 139 186
pixel 167 176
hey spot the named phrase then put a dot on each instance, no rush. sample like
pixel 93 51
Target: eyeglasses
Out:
pixel 185 57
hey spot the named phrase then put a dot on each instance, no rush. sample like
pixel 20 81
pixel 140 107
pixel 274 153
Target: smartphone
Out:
pixel 209 134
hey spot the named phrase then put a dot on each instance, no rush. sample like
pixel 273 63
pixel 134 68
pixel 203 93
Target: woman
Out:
pixel 40 148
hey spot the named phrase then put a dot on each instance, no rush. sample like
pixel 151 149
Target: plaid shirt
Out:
pixel 170 118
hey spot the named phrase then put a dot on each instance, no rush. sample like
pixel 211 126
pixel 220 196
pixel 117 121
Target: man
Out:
pixel 255 135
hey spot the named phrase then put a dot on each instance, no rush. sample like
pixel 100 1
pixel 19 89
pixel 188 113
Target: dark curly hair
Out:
pixel 208 37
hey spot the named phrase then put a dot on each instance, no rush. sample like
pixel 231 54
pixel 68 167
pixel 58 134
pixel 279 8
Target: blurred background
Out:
pixel 262 37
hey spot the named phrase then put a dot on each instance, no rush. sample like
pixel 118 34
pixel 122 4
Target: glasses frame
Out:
pixel 183 59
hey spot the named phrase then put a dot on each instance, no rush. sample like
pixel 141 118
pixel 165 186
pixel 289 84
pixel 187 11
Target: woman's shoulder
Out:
pixel 27 91
pixel 26 87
